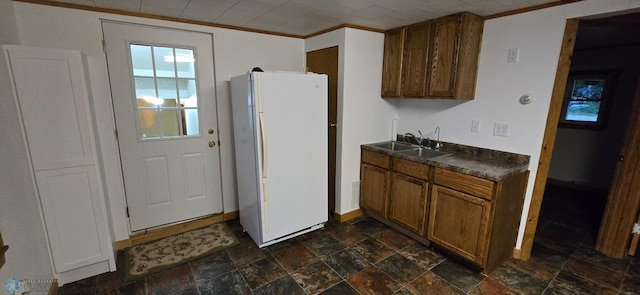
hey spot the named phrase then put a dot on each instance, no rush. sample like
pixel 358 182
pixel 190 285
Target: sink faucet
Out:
pixel 415 138
pixel 438 143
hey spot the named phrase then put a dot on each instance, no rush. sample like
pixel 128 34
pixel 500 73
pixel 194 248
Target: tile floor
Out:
pixel 364 256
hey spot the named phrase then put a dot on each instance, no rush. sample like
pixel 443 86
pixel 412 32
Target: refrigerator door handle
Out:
pixel 265 204
pixel 265 153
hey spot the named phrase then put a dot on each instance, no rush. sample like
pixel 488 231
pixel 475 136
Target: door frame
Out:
pixel 616 245
pixel 332 71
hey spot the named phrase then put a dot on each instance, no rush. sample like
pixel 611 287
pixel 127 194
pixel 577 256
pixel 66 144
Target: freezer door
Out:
pixel 293 120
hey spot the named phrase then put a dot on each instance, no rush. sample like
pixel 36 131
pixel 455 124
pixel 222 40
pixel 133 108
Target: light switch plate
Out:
pixel 513 55
pixel 501 129
pixel 475 126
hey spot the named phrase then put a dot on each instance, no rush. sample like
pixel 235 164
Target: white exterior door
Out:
pixel 163 88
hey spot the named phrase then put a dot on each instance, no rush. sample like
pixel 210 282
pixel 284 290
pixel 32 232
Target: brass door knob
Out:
pixel 212 143
pixel 210 131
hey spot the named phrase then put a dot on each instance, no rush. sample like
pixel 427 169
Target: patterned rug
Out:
pixel 156 256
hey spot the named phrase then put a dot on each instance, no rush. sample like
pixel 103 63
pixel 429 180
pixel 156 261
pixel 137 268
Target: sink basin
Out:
pixel 424 153
pixel 394 146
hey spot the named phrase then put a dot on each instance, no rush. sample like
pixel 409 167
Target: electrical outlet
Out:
pixel 501 129
pixel 475 126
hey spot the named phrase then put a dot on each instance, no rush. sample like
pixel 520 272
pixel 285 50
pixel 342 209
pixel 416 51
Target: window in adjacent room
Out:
pixel 586 100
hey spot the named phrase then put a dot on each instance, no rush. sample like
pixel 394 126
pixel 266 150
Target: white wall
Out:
pixel 20 221
pixel 587 156
pixel 235 53
pixel 363 117
pixel 538 34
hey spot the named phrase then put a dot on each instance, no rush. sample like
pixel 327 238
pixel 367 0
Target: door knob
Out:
pixel 212 143
pixel 210 131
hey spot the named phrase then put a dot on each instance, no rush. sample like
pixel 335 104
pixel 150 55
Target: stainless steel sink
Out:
pixel 395 146
pixel 424 153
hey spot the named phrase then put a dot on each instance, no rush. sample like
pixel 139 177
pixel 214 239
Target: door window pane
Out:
pixel 141 60
pixel 164 61
pixel 165 91
pixel 185 63
pixel 187 91
pixel 191 125
pixel 149 127
pixel 145 89
pixel 169 120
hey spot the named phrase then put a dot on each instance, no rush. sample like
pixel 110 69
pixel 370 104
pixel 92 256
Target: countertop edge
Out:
pixel 465 164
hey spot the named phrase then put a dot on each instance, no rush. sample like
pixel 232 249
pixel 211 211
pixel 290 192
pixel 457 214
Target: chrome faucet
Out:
pixel 415 138
pixel 438 143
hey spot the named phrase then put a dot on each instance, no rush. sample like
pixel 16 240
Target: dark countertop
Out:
pixel 484 163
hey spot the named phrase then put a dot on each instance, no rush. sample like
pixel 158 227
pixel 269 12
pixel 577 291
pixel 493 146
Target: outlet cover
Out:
pixel 512 56
pixel 501 129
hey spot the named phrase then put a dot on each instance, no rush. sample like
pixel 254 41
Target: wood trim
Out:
pixel 153 16
pixel 53 290
pixel 348 216
pixel 555 107
pixel 350 26
pixel 517 253
pixel 123 244
pixel 3 249
pixel 528 9
pixel 174 229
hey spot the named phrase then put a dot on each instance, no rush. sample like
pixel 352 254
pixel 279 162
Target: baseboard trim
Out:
pixel 575 185
pixel 517 253
pixel 53 290
pixel 163 232
pixel 348 216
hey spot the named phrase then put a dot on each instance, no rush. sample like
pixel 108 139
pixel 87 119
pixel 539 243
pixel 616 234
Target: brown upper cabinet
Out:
pixel 392 62
pixel 439 58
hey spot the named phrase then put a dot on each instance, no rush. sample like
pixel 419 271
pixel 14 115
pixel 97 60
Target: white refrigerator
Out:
pixel 280 133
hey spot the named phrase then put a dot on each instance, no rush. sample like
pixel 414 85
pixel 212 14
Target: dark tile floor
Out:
pixel 364 256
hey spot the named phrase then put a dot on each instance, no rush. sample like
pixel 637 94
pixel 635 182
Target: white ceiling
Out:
pixel 304 17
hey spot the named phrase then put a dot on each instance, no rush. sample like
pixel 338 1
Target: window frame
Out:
pixel 609 76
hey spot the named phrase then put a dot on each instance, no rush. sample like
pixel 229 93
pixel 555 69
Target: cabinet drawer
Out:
pixel 410 168
pixel 376 159
pixel 465 183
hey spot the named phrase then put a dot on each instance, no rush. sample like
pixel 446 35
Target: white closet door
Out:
pixel 53 101
pixel 52 97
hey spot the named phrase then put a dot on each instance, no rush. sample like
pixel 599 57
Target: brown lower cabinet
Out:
pixel 374 189
pixel 473 218
pixel 408 202
pixel 459 222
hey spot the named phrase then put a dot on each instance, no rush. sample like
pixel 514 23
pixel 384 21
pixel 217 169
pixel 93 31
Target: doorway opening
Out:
pixel 581 170
pixel 584 158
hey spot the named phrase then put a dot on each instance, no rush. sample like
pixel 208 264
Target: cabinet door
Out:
pixel 392 62
pixel 408 202
pixel 374 189
pixel 73 216
pixel 459 222
pixel 416 53
pixel 444 55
